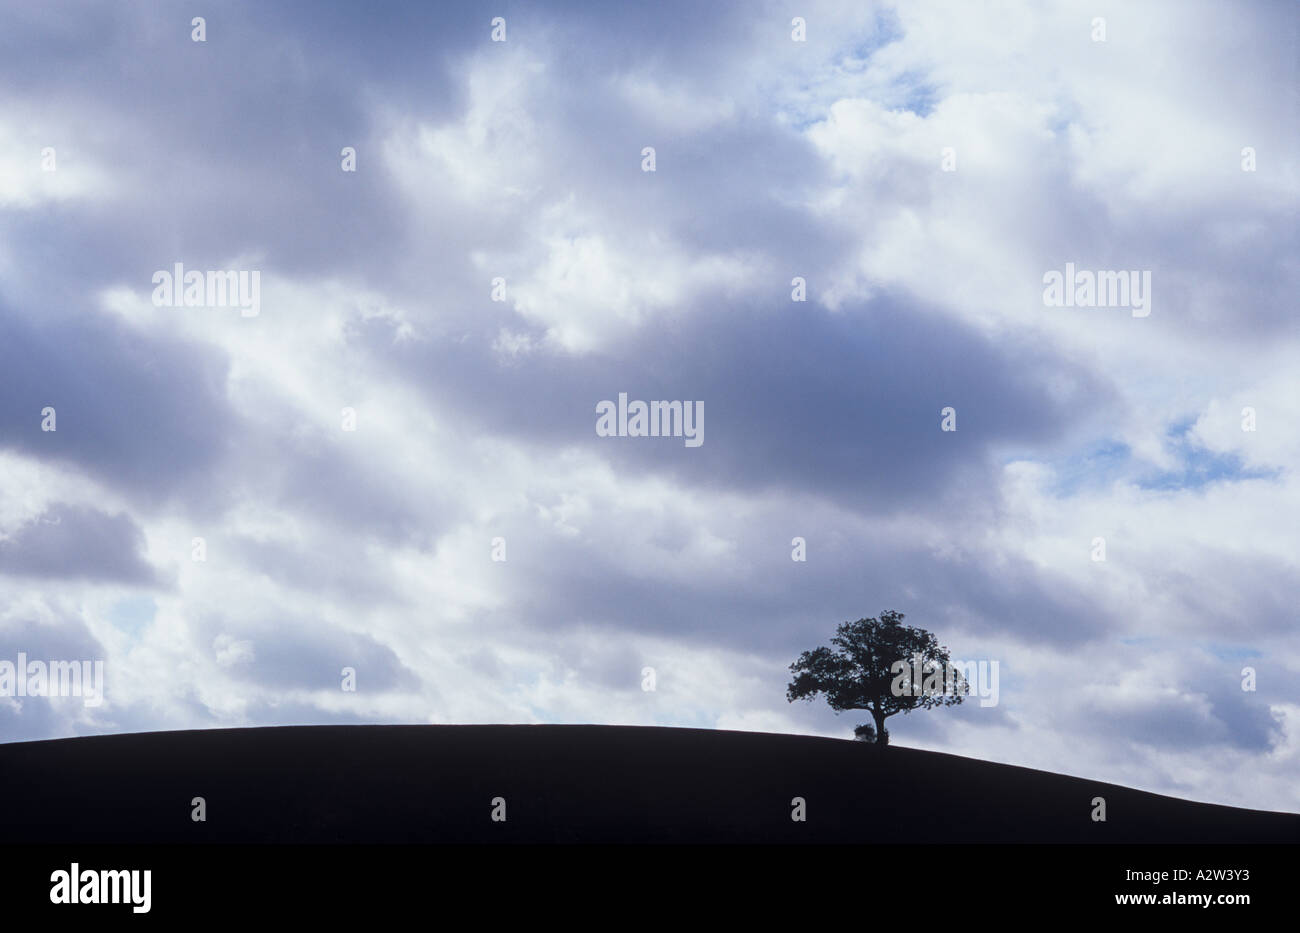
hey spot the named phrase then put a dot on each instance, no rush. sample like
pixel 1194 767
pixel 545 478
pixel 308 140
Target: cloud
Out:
pixel 74 542
pixel 140 412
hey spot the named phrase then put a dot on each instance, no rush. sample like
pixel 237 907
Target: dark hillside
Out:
pixel 566 784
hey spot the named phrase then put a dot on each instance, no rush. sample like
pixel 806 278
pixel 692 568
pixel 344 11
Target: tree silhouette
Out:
pixel 865 733
pixel 881 666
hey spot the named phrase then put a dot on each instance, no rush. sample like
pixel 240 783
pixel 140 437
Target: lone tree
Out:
pixel 881 666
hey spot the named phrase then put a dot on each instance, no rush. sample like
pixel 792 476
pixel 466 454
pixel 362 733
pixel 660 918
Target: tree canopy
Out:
pixel 881 666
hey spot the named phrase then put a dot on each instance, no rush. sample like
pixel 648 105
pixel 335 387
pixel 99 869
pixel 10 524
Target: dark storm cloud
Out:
pixel 1169 722
pixel 68 639
pixel 841 405
pixel 1192 702
pixel 233 145
pixel 213 148
pixel 279 652
pixel 74 542
pixel 132 408
pixel 1245 594
pixel 1250 724
pixel 759 601
pixel 315 660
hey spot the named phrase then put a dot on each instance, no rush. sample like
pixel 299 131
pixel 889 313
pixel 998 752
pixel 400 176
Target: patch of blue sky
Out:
pixel 914 93
pixel 887 29
pixel 133 615
pixel 1199 466
pixel 909 91
pixel 1109 461
pixel 1226 652
pixel 1096 467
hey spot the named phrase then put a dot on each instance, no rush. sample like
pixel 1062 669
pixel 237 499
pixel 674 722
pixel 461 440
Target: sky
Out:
pixel 416 397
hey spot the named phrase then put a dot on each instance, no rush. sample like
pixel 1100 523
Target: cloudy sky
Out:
pixel 920 168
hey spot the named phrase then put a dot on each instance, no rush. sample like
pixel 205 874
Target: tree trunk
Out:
pixel 882 734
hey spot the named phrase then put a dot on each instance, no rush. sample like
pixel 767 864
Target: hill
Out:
pixel 566 784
